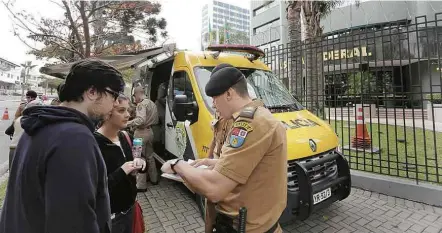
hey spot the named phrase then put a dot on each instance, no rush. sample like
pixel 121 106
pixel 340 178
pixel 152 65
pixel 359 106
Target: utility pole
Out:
pixel 25 74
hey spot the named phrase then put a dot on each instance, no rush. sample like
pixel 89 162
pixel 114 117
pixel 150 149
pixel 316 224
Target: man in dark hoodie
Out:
pixel 58 177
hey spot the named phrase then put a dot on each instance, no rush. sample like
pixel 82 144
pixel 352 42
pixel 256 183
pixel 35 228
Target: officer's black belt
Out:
pixel 224 224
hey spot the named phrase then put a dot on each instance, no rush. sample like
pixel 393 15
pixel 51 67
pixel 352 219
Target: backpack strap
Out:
pixel 127 137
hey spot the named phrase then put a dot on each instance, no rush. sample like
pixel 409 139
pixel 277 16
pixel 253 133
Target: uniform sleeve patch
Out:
pixel 239 133
pixel 244 125
pixel 139 107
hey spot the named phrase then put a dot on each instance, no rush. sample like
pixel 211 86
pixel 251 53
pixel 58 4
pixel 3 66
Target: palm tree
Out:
pixel 312 11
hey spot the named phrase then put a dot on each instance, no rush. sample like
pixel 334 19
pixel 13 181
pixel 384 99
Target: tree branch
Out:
pixel 56 3
pixel 74 27
pixel 72 49
pixel 87 37
pixel 24 26
pixel 22 40
pixel 95 9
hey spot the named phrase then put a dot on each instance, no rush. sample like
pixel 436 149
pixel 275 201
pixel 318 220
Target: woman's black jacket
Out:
pixel 122 187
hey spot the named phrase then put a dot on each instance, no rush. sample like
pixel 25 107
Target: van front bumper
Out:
pixel 300 203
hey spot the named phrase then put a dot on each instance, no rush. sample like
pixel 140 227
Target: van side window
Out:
pixel 182 86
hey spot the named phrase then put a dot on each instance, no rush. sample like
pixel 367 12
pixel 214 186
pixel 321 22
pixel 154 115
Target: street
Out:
pixel 12 105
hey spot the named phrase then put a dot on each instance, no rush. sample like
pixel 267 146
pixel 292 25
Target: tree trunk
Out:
pixel 295 50
pixel 314 77
pixel 87 37
pixel 74 27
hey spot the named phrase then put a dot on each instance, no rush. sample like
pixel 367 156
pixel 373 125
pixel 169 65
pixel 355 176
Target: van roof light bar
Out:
pixel 252 50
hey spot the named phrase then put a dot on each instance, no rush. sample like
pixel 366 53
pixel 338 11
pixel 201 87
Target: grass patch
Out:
pixel 3 191
pixel 404 151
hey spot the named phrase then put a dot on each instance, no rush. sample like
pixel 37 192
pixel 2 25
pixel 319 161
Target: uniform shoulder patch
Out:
pixel 239 132
pixel 139 107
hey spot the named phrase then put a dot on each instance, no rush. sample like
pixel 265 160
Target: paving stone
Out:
pixel 167 207
pixel 432 229
pixel 417 228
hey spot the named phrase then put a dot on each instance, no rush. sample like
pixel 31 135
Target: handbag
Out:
pixel 10 130
pixel 138 222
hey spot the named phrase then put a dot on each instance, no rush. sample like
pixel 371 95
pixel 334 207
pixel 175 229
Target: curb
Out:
pixel 4 168
pixel 397 187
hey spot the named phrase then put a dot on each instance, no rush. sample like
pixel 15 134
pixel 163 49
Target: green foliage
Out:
pixel 360 83
pixel 434 98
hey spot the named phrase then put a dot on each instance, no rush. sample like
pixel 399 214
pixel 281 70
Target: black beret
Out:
pixel 223 77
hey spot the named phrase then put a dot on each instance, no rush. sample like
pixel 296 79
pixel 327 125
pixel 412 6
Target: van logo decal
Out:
pixel 312 145
pixel 299 123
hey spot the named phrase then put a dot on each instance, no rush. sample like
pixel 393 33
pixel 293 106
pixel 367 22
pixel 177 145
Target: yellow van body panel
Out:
pixel 302 126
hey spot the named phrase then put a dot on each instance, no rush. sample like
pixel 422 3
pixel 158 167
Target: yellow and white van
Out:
pixel 318 174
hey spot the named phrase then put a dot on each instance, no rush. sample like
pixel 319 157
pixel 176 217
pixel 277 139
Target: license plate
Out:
pixel 321 196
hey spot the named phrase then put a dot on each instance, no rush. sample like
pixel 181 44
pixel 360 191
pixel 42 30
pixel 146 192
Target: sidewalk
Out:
pixel 169 207
pixel 418 123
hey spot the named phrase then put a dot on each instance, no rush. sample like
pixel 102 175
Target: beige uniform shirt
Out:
pixel 255 155
pixel 220 130
pixel 146 115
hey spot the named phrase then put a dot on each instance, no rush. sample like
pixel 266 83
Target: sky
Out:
pixel 183 19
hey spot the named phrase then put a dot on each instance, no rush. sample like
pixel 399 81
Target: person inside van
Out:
pixel 161 109
pixel 115 146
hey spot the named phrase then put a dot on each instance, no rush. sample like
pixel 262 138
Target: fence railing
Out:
pixel 394 71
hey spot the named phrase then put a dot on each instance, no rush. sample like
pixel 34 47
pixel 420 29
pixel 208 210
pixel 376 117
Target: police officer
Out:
pixel 252 169
pixel 146 117
pixel 220 127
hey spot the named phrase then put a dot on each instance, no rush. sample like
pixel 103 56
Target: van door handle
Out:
pixel 169 125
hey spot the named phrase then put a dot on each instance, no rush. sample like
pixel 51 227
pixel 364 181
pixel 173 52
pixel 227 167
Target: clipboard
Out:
pixel 177 177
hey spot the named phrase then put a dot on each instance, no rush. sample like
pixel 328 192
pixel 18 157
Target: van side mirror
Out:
pixel 185 110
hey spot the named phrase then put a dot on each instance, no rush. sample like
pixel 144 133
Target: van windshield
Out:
pixel 261 84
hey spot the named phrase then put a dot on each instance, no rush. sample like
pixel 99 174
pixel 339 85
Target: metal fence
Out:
pixel 394 72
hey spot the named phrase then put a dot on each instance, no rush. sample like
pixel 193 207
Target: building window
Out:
pixel 266 27
pixel 265 7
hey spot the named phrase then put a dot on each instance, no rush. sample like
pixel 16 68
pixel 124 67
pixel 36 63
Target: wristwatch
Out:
pixel 173 164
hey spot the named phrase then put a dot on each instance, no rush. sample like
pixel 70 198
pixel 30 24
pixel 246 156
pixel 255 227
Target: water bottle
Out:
pixel 137 147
